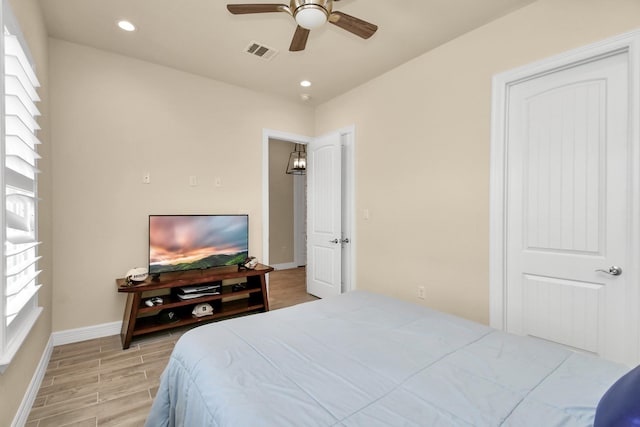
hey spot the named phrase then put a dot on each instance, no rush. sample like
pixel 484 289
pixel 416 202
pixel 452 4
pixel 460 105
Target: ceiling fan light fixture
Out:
pixel 311 16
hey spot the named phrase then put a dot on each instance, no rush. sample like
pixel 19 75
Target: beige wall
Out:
pixel 423 137
pixel 280 204
pixel 15 380
pixel 116 118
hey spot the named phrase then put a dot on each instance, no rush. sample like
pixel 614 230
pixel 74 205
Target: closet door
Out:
pixel 568 208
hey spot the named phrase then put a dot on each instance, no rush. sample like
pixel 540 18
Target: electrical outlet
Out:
pixel 421 292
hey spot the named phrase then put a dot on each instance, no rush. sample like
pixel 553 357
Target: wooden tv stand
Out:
pixel 140 319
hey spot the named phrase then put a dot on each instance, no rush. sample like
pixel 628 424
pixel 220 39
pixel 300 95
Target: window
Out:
pixel 19 202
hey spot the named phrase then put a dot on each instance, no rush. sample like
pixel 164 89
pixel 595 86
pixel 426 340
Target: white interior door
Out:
pixel 324 212
pixel 568 209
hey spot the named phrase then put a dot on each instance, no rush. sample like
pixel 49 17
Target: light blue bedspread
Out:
pixel 362 359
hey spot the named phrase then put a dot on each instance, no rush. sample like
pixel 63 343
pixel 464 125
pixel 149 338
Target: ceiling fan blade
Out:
pixel 299 41
pixel 352 24
pixel 241 9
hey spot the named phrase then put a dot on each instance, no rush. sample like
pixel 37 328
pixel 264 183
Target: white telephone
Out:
pixel 138 274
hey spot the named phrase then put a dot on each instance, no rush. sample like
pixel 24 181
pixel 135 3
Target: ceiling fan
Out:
pixel 309 14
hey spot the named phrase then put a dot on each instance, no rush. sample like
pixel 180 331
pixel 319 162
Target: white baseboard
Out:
pixel 285 266
pixel 87 333
pixel 32 391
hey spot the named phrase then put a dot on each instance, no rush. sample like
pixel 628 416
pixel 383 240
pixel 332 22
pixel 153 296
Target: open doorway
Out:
pixel 287 209
pixel 284 213
pixel 346 237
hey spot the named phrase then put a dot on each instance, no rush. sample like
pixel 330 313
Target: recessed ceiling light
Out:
pixel 305 83
pixel 126 25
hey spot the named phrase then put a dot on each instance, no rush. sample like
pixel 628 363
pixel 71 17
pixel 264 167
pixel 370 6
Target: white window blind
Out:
pixel 20 199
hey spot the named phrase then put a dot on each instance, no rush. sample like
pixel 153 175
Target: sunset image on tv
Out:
pixel 191 242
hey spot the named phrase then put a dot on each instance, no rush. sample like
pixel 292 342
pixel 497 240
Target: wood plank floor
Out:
pixel 288 287
pixel 96 383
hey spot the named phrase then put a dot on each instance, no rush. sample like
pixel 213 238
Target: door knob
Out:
pixel 614 270
pixel 343 241
pixel 334 241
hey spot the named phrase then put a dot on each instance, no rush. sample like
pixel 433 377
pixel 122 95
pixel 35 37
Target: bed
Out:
pixel 362 359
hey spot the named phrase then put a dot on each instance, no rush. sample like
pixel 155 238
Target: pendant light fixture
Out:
pixel 297 161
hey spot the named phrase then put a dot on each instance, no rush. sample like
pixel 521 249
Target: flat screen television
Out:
pixel 196 242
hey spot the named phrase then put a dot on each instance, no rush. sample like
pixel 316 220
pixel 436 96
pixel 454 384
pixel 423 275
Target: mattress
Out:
pixel 362 359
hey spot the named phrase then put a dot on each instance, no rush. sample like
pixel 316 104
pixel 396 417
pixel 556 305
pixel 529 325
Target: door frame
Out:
pixel 498 232
pixel 268 134
pixel 348 140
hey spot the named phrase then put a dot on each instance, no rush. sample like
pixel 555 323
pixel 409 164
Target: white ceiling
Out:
pixel 203 38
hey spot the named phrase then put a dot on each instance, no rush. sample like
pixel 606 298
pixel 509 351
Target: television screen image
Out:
pixel 196 242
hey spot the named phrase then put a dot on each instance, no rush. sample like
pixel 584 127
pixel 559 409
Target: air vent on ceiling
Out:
pixel 261 51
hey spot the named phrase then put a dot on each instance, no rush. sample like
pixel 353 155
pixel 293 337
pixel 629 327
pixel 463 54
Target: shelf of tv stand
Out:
pixel 251 299
pixel 147 325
